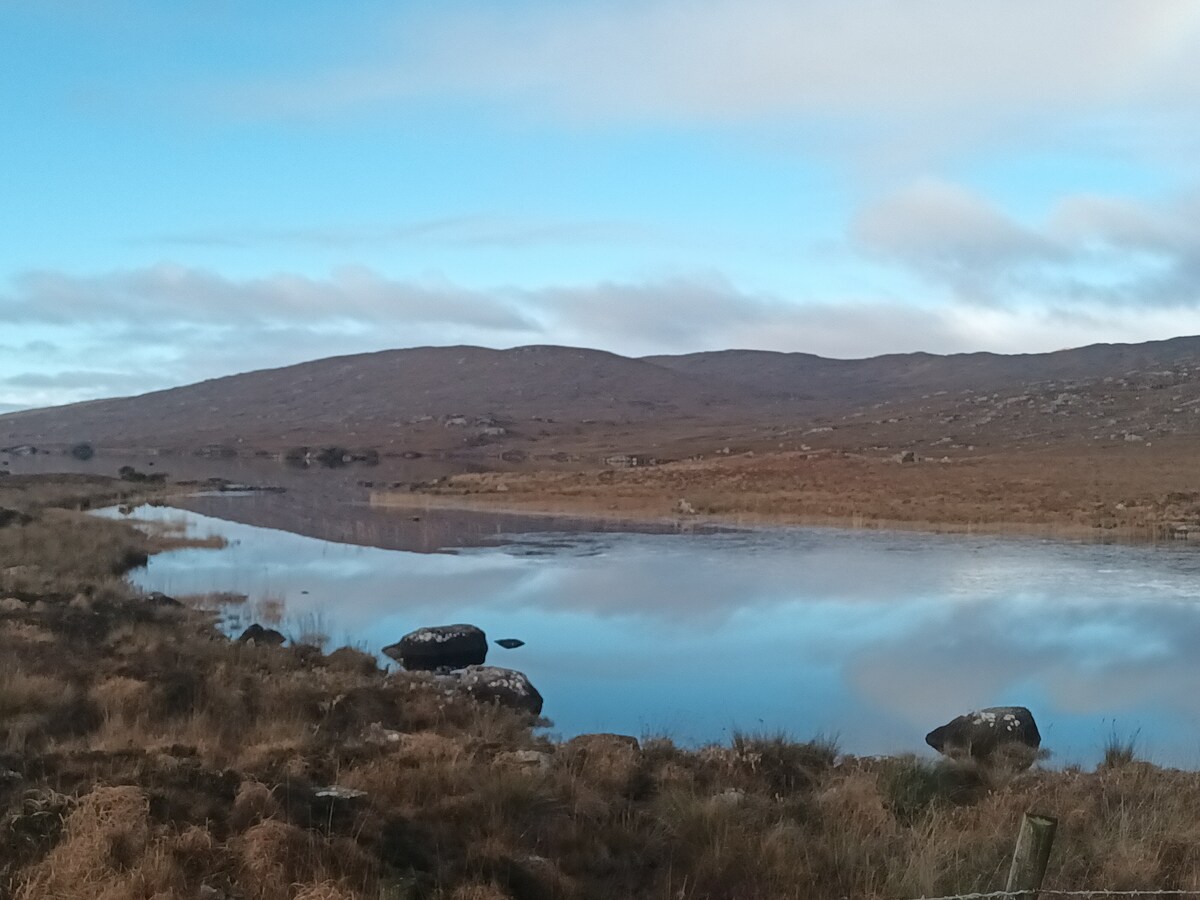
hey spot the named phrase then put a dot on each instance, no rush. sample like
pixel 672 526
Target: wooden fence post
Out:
pixel 1031 854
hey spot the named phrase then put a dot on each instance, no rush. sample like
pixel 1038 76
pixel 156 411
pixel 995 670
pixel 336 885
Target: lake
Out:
pixel 872 637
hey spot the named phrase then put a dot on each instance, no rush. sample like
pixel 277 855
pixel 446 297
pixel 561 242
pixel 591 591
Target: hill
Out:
pixel 371 397
pixel 896 376
pixel 562 402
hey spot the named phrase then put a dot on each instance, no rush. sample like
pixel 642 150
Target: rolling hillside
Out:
pixel 468 398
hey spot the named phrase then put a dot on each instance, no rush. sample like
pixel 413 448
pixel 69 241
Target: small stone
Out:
pixel 335 792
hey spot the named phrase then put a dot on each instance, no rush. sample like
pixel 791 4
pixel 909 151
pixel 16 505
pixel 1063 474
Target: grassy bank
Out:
pixel 145 755
pixel 1145 493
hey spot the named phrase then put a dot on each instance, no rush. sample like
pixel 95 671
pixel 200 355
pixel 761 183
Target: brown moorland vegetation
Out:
pixel 143 755
pixel 1133 492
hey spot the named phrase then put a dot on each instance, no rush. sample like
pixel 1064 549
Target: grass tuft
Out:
pixel 1120 750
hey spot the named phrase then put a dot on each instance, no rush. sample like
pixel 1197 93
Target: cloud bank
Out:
pixel 141 329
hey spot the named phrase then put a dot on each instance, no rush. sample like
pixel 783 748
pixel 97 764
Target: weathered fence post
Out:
pixel 1031 854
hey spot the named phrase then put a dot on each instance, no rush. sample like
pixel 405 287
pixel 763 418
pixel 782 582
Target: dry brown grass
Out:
pixel 1127 493
pixel 32 493
pixel 151 757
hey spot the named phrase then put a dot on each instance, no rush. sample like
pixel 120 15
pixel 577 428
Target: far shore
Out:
pixel 1109 496
pixel 557 508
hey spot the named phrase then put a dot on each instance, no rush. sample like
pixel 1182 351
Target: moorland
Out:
pixel 145 753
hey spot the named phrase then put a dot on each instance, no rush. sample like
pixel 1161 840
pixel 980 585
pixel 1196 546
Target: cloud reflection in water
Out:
pixel 876 637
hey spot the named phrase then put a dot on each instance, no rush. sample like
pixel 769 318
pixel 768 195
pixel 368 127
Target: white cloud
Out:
pixel 949 234
pixel 1090 249
pixel 734 60
pixel 169 294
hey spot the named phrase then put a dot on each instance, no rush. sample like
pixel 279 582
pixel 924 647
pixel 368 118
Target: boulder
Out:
pixel 510 643
pixel 508 687
pixel 256 634
pixel 440 647
pixel 158 598
pixel 982 733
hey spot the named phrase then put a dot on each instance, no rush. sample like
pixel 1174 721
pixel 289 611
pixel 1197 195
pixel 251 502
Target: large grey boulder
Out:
pixel 440 647
pixel 508 687
pixel 980 734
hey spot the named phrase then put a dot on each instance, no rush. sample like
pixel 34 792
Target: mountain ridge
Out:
pixel 448 397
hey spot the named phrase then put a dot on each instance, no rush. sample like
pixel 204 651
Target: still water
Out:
pixel 872 637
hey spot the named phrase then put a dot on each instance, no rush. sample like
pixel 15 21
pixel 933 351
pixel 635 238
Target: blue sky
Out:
pixel 190 190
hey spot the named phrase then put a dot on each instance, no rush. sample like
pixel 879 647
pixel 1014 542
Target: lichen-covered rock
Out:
pixel 440 647
pixel 507 687
pixel 982 733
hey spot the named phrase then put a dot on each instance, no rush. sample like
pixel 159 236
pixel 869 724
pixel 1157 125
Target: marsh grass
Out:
pixel 1120 749
pixel 311 629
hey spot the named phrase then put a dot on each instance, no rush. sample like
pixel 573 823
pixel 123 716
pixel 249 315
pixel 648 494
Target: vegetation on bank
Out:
pixel 1124 493
pixel 145 755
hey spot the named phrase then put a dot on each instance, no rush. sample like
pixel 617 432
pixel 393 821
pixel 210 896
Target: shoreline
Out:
pixel 757 521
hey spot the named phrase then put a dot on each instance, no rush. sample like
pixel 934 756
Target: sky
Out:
pixel 193 190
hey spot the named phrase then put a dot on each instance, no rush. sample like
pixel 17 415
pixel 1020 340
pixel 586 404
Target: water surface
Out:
pixel 874 637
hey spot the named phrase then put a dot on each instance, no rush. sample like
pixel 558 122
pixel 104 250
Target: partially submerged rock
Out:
pixel 510 643
pixel 440 647
pixel 256 634
pixel 980 734
pixel 507 687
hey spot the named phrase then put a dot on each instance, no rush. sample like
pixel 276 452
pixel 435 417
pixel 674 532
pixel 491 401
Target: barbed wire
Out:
pixel 1050 892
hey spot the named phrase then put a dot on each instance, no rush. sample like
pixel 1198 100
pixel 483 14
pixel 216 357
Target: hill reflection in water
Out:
pixel 873 636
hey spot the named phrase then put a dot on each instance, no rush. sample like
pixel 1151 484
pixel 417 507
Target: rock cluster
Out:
pixel 457 653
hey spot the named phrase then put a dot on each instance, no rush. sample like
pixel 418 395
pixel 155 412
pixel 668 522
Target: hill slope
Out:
pixel 439 398
pixel 372 394
pixel 895 376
